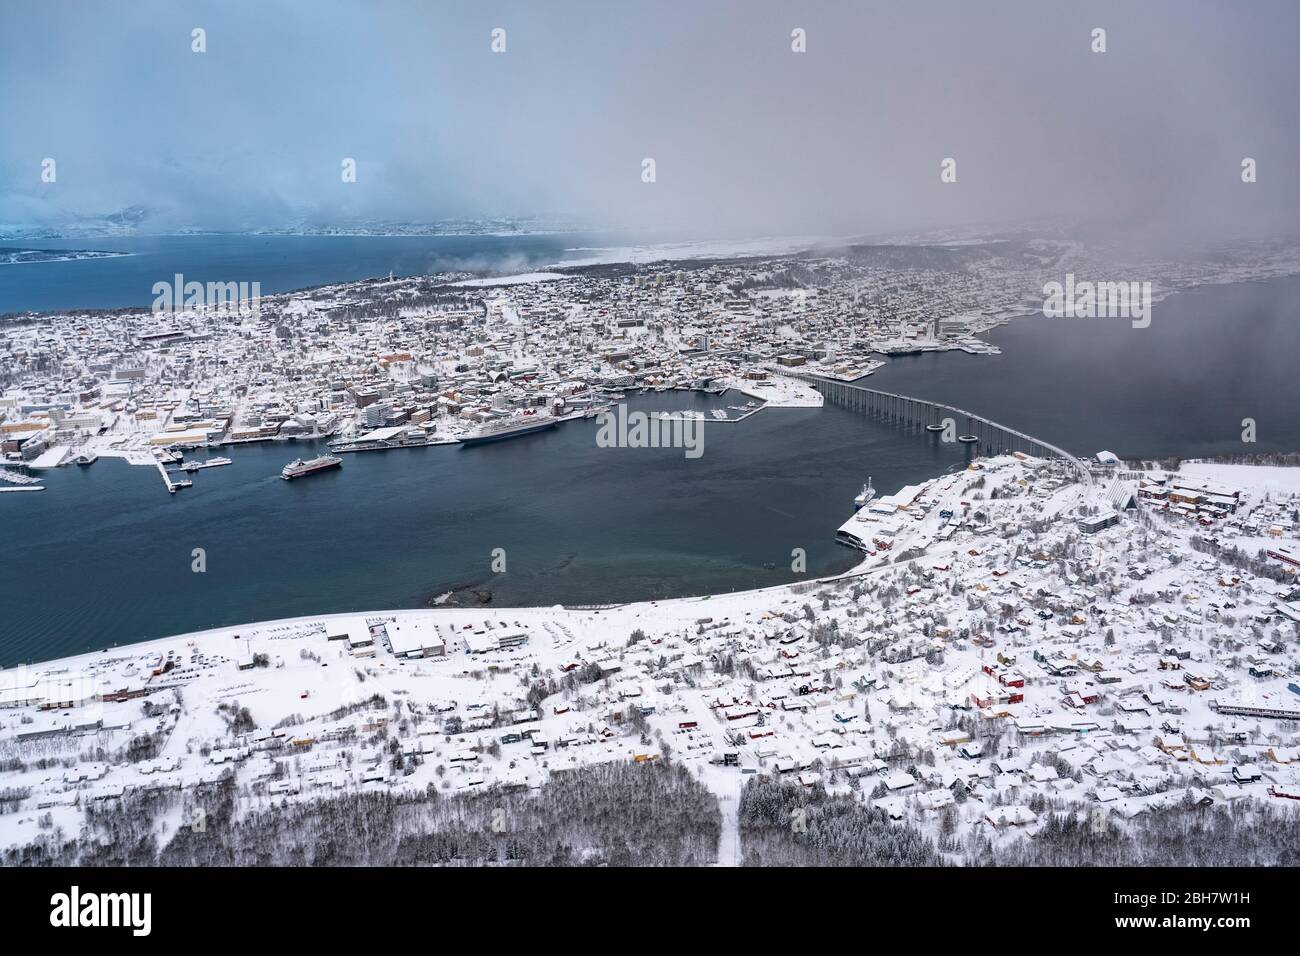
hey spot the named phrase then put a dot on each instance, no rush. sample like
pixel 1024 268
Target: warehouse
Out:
pixel 415 639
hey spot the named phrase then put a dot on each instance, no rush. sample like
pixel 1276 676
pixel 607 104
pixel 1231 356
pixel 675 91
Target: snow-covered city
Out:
pixel 1015 642
pixel 487 449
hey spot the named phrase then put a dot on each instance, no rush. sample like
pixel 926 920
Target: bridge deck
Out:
pixel 992 436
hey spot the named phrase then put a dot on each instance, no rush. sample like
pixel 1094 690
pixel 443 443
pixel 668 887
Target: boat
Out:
pixel 210 463
pixel 934 428
pixel 864 499
pixel 298 467
pixel 17 477
pixel 87 459
pixel 511 428
pixel 968 439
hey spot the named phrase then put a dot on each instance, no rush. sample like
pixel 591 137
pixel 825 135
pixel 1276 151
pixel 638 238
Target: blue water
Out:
pixel 1211 358
pixel 279 263
pixel 104 555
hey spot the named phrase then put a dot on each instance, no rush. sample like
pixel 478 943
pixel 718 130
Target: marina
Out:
pixel 15 477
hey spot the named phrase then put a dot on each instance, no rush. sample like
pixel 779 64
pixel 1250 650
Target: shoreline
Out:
pixel 868 564
pixel 818 680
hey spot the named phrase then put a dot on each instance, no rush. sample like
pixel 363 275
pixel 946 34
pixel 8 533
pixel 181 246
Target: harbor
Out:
pixel 401 529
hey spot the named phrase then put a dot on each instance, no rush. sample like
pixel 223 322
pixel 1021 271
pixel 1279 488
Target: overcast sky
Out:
pixel 748 137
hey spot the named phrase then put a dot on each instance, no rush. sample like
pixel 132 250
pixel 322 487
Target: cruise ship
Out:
pixel 297 468
pixel 511 428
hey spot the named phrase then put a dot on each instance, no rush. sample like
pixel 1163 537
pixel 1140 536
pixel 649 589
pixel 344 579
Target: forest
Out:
pixel 617 814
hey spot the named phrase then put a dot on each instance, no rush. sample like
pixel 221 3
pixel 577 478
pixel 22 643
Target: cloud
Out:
pixel 748 137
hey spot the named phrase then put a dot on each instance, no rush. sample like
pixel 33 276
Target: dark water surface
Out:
pixel 103 556
pixel 1210 358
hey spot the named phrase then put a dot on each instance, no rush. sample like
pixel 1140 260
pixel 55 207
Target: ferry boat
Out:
pixel 210 463
pixel 511 428
pixel 864 499
pixel 298 468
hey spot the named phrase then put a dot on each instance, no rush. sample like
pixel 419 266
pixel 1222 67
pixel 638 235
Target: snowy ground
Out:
pixel 524 278
pixel 778 391
pixel 1268 478
pixel 996 650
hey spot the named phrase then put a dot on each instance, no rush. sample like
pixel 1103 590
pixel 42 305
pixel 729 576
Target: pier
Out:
pixel 911 413
pixel 167 479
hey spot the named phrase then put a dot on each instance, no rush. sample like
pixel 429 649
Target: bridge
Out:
pixel 991 438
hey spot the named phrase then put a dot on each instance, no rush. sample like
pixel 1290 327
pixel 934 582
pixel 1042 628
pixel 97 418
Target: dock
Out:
pixel 167 479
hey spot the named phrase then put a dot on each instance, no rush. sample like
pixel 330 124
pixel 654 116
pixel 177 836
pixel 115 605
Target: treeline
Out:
pixel 619 814
pixel 1239 834
pixel 789 825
